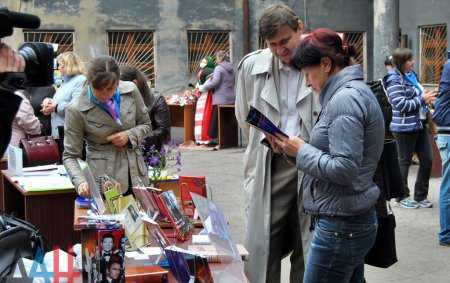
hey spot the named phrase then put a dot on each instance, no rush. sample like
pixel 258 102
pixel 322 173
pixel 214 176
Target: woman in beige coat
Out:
pixel 111 117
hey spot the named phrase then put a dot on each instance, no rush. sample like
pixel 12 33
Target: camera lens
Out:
pixel 38 63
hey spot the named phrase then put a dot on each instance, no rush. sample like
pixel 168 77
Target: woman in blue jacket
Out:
pixel 72 69
pixel 409 125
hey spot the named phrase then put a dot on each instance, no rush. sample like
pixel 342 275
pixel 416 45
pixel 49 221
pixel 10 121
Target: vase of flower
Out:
pixel 164 163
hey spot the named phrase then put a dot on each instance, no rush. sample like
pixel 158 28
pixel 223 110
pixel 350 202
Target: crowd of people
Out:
pixel 310 194
pixel 319 177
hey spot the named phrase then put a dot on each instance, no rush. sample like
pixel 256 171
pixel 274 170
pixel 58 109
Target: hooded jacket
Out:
pixel 222 82
pixel 344 148
pixel 406 102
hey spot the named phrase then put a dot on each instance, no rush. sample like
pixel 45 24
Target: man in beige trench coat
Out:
pixel 276 224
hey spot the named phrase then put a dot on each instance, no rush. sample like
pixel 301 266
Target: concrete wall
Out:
pixel 339 15
pixel 171 18
pixel 416 13
pixel 168 18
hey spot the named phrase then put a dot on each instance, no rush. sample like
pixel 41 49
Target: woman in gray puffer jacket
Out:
pixel 222 82
pixel 339 161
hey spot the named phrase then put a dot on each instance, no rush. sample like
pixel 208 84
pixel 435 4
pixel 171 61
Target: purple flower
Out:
pixel 153 161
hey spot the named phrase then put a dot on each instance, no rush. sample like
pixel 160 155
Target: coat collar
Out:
pixel 264 63
pixel 335 82
pixel 86 103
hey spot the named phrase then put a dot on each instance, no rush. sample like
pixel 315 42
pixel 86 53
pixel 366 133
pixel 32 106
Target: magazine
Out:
pixel 261 122
pixel 157 236
pixel 188 266
pixel 104 256
pixel 182 224
pixel 147 201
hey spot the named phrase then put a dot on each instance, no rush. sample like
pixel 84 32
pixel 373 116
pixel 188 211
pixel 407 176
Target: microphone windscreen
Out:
pixel 23 20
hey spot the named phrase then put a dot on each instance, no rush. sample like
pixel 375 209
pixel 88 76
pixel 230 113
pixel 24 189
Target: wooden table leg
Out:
pixel 188 121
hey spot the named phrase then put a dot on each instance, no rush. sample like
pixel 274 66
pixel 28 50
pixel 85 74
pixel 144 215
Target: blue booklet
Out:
pixel 261 122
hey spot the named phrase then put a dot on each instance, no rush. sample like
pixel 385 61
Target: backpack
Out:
pixel 18 239
pixel 381 95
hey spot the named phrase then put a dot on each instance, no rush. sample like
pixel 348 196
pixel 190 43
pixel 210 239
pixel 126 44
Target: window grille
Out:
pixel 64 39
pixel 262 44
pixel 356 39
pixel 203 43
pixel 433 46
pixel 134 48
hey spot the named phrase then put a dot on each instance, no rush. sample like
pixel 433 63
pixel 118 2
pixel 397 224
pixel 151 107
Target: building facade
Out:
pixel 167 38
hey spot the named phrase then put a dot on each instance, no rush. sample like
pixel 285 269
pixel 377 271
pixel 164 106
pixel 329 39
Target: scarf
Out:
pixel 112 106
pixel 412 78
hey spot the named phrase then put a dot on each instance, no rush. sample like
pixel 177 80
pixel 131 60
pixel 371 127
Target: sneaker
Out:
pixel 425 203
pixel 409 203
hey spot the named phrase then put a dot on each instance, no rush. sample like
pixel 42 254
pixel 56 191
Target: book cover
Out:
pixel 112 195
pixel 186 262
pixel 178 265
pixel 157 236
pixel 147 202
pixel 180 222
pixel 134 227
pixel 188 185
pixel 104 256
pixel 261 122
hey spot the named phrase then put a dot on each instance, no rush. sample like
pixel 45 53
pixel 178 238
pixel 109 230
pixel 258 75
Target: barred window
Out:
pixel 262 44
pixel 134 48
pixel 433 46
pixel 64 39
pixel 357 40
pixel 203 43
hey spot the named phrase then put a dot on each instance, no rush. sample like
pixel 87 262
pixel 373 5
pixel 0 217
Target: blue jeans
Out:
pixel 338 248
pixel 443 143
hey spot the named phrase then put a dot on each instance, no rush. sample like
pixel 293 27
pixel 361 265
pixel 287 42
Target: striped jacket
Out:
pixel 406 103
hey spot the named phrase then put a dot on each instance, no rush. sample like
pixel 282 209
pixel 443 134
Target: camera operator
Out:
pixel 10 61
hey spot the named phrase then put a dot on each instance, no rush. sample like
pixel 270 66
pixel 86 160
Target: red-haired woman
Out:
pixel 339 161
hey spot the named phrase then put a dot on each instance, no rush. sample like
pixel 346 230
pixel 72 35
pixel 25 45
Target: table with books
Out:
pixel 153 238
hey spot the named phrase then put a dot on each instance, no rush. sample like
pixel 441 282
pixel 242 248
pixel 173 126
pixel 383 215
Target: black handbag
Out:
pixel 383 252
pixel 388 176
pixel 18 239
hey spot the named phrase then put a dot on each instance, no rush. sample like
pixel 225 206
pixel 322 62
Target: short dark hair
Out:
pixel 388 61
pixel 103 71
pixel 320 43
pixel 114 259
pixel 107 235
pixel 400 57
pixel 274 17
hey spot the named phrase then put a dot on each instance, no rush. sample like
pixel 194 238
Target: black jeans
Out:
pixel 418 142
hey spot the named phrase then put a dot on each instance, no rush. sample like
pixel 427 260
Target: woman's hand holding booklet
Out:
pixel 276 139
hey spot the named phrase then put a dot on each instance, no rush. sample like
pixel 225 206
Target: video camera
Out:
pixel 38 56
